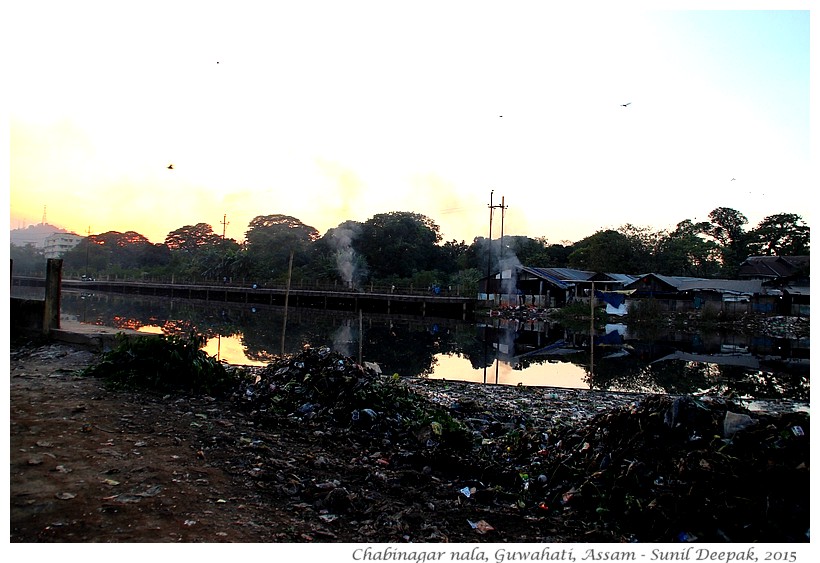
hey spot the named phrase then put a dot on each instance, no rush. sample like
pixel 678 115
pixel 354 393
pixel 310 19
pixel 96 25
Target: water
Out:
pixel 491 351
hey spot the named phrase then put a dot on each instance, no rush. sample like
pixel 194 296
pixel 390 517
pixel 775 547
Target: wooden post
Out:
pixel 287 294
pixel 51 311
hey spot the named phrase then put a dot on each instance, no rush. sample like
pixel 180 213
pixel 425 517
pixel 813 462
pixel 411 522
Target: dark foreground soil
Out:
pixel 89 463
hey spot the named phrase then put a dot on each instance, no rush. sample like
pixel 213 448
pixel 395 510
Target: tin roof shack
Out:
pixel 547 287
pixel 684 294
pixel 769 268
pixel 786 276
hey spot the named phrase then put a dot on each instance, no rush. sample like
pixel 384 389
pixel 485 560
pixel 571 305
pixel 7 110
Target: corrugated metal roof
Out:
pixel 568 274
pixel 546 274
pixel 677 281
pixel 797 290
pixel 561 277
pixel 623 278
pixel 744 287
pixel 772 266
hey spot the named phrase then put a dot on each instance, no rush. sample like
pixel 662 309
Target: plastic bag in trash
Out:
pixel 734 422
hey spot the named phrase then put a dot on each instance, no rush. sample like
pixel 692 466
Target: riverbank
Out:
pixel 94 464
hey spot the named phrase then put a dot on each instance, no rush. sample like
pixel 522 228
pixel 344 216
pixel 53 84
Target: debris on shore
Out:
pixel 623 467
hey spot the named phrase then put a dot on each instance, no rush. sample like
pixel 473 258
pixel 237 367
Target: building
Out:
pixel 682 294
pixel 547 287
pixel 774 268
pixel 787 275
pixel 57 244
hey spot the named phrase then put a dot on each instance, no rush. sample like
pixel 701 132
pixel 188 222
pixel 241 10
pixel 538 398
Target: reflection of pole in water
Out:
pixel 485 354
pixel 361 336
pixel 287 294
pixel 592 330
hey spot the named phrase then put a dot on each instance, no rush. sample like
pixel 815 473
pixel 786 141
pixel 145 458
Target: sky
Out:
pixel 334 111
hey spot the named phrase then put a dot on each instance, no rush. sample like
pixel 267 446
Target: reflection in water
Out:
pixel 549 374
pixel 231 350
pixel 506 352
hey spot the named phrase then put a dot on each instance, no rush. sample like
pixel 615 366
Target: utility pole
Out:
pixel 224 224
pixel 501 252
pixel 502 255
pixel 490 242
pixel 87 247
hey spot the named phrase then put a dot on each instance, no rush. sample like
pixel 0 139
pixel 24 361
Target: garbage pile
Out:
pixel 322 387
pixel 674 470
pixel 654 469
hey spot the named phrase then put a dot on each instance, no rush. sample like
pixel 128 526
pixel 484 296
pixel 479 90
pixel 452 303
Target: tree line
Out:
pixel 404 248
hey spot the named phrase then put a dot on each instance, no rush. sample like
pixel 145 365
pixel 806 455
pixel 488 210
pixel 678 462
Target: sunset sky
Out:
pixel 329 111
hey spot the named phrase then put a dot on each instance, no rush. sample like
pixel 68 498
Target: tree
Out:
pixel 270 241
pixel 644 243
pixel 27 260
pixel 219 260
pixel 605 251
pixel 198 252
pixel 685 252
pixel 451 257
pixel 399 244
pixel 116 253
pixel 783 234
pixel 191 237
pixel 334 256
pixel 727 229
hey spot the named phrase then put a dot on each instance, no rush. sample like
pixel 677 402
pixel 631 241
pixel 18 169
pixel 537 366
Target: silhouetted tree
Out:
pixel 191 237
pixel 116 253
pixel 686 252
pixel 27 260
pixel 605 251
pixel 271 239
pixel 727 229
pixel 399 244
pixel 783 234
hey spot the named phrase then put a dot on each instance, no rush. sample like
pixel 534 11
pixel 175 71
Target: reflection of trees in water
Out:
pixel 409 346
pixel 174 317
pixel 631 373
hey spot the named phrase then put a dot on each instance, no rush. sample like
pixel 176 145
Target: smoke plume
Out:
pixel 348 262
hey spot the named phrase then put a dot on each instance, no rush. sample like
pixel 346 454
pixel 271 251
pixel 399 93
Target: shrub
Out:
pixel 165 363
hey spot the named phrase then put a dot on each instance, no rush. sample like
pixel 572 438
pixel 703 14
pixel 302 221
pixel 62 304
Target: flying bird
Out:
pixel 626 104
pixel 170 167
pixel 732 180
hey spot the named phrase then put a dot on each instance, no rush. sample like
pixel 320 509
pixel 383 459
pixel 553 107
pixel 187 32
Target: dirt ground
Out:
pixel 93 464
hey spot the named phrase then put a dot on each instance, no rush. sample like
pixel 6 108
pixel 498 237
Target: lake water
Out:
pixel 488 350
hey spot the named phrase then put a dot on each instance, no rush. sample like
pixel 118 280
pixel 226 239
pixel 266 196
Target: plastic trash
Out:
pixel 686 537
pixel 734 423
pixel 482 527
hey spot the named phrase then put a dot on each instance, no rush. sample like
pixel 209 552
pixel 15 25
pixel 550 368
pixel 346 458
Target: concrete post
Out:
pixel 51 310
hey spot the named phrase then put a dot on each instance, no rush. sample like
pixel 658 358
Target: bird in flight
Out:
pixel 626 104
pixel 170 167
pixel 732 180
